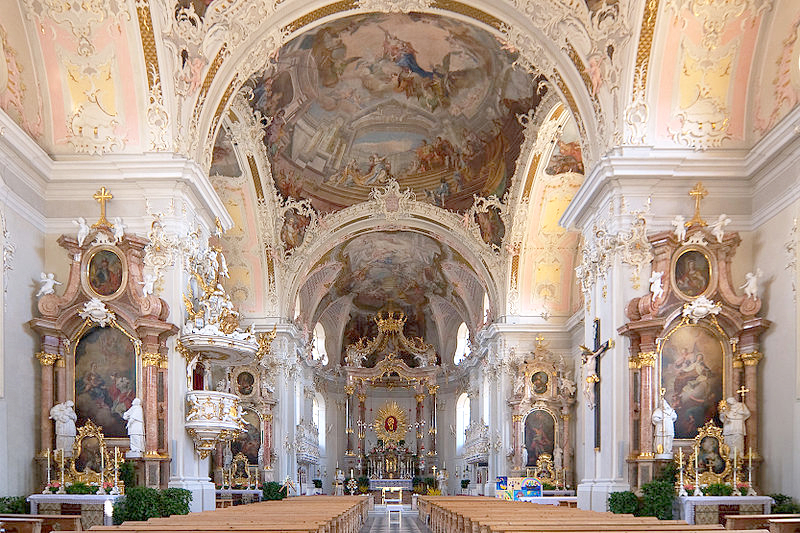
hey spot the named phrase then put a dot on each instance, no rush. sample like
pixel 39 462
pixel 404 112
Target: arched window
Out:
pixel 462 420
pixel 462 343
pixel 318 416
pixel 318 352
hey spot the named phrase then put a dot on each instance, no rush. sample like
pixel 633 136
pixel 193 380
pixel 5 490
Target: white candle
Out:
pixel 48 466
pixel 116 449
pixel 62 470
pixel 102 466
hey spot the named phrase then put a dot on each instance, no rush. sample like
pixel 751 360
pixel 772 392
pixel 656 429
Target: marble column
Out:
pixel 61 371
pixel 517 439
pixel 47 360
pixel 750 361
pixel 432 390
pixel 420 397
pixel 362 411
pixel 150 366
pixel 567 454
pixel 647 361
pixel 349 390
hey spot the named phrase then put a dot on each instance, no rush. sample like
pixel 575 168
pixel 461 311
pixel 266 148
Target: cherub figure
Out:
pixel 119 228
pixel 680 227
pixel 718 227
pixel 83 229
pixel 47 284
pixel 751 283
pixel 656 285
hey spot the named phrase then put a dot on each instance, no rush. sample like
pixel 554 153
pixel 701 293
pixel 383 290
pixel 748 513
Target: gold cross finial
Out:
pixel 742 391
pixel 102 196
pixel 698 193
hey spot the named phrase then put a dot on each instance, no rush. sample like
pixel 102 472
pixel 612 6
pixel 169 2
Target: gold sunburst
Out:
pixel 390 424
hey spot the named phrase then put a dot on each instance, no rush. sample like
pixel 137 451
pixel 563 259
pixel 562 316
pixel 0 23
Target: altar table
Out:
pixel 712 509
pixel 95 509
pixel 378 484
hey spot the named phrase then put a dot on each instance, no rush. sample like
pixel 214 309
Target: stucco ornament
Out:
pixel 700 308
pixel 791 248
pixel 8 255
pixel 395 6
pixel 96 311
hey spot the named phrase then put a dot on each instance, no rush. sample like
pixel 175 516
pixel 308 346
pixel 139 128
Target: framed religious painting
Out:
pixel 248 443
pixel 693 372
pixel 104 272
pixel 244 384
pixel 540 435
pixel 692 272
pixel 105 378
pixel 540 382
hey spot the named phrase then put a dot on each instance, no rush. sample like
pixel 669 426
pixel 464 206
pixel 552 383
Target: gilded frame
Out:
pixel 713 329
pixel 390 409
pixel 86 265
pixel 74 341
pixel 91 431
pixel 556 428
pixel 713 273
pixel 709 433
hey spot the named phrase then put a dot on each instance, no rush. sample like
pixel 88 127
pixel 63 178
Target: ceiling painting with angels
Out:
pixel 426 100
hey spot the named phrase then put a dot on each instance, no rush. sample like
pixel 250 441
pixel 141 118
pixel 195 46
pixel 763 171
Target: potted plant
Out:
pixel 317 486
pixel 464 484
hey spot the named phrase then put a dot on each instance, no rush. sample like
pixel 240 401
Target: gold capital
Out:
pixel 46 359
pixel 362 398
pixel 102 196
pixel 647 359
pixel 151 359
pixel 61 362
pixel 752 358
pixel 433 389
pixel 349 389
pixel 419 397
pixel 634 362
pixel 517 418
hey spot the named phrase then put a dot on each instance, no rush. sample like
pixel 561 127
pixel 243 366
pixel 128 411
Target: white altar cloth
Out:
pixel 378 484
pixel 687 504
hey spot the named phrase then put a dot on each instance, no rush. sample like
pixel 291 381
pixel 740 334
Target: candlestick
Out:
pixel 734 468
pixel 116 479
pixel 682 491
pixel 697 491
pixel 48 466
pixel 61 489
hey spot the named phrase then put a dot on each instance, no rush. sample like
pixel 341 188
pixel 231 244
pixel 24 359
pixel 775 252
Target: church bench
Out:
pixel 51 522
pixel 21 525
pixel 784 525
pixel 753 521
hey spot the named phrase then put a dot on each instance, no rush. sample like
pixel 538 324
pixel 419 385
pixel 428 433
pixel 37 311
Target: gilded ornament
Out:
pixel 151 359
pixel 349 389
pixel 46 359
pixel 647 359
pixel 751 358
pixel 419 397
pixel 390 424
pixel 433 389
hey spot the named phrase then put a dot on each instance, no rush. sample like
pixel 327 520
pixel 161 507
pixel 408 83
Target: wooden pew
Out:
pixel 312 514
pixel 52 522
pixel 21 525
pixel 488 515
pixel 784 525
pixel 753 521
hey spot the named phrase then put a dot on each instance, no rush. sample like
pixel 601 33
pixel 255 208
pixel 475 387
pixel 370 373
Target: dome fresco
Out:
pixel 426 100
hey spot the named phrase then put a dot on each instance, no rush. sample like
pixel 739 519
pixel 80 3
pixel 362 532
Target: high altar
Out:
pixel 391 360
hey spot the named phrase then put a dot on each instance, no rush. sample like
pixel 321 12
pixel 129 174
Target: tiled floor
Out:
pixel 378 522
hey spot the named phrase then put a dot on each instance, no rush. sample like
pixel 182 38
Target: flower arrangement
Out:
pixel 53 486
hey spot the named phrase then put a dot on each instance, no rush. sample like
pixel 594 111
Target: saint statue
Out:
pixel 664 417
pixel 733 416
pixel 135 419
pixel 65 417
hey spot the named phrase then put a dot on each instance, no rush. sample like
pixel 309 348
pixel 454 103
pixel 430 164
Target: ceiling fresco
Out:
pixel 426 100
pixel 393 271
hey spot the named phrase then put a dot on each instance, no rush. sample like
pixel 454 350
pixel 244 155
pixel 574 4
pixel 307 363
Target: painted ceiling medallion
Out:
pixel 425 100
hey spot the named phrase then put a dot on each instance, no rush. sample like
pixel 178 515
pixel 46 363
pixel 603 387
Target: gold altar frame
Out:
pixel 710 431
pixel 390 409
pixel 556 432
pixel 91 431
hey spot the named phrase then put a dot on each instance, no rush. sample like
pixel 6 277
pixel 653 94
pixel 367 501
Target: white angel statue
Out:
pixel 751 283
pixel 680 227
pixel 83 229
pixel 718 227
pixel 119 228
pixel 656 285
pixel 47 284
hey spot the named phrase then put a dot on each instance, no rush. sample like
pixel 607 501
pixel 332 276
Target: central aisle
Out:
pixel 378 522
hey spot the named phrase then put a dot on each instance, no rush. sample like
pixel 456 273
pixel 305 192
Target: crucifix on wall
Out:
pixel 591 364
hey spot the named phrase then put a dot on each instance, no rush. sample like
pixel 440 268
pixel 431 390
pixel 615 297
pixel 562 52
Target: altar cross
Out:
pixel 742 391
pixel 698 193
pixel 591 360
pixel 102 196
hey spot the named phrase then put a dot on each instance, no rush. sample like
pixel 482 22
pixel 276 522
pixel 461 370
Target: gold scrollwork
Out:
pixel 634 362
pixel 517 418
pixel 433 389
pixel 419 397
pixel 349 389
pixel 545 470
pixel 714 456
pixel 46 359
pixel 93 460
